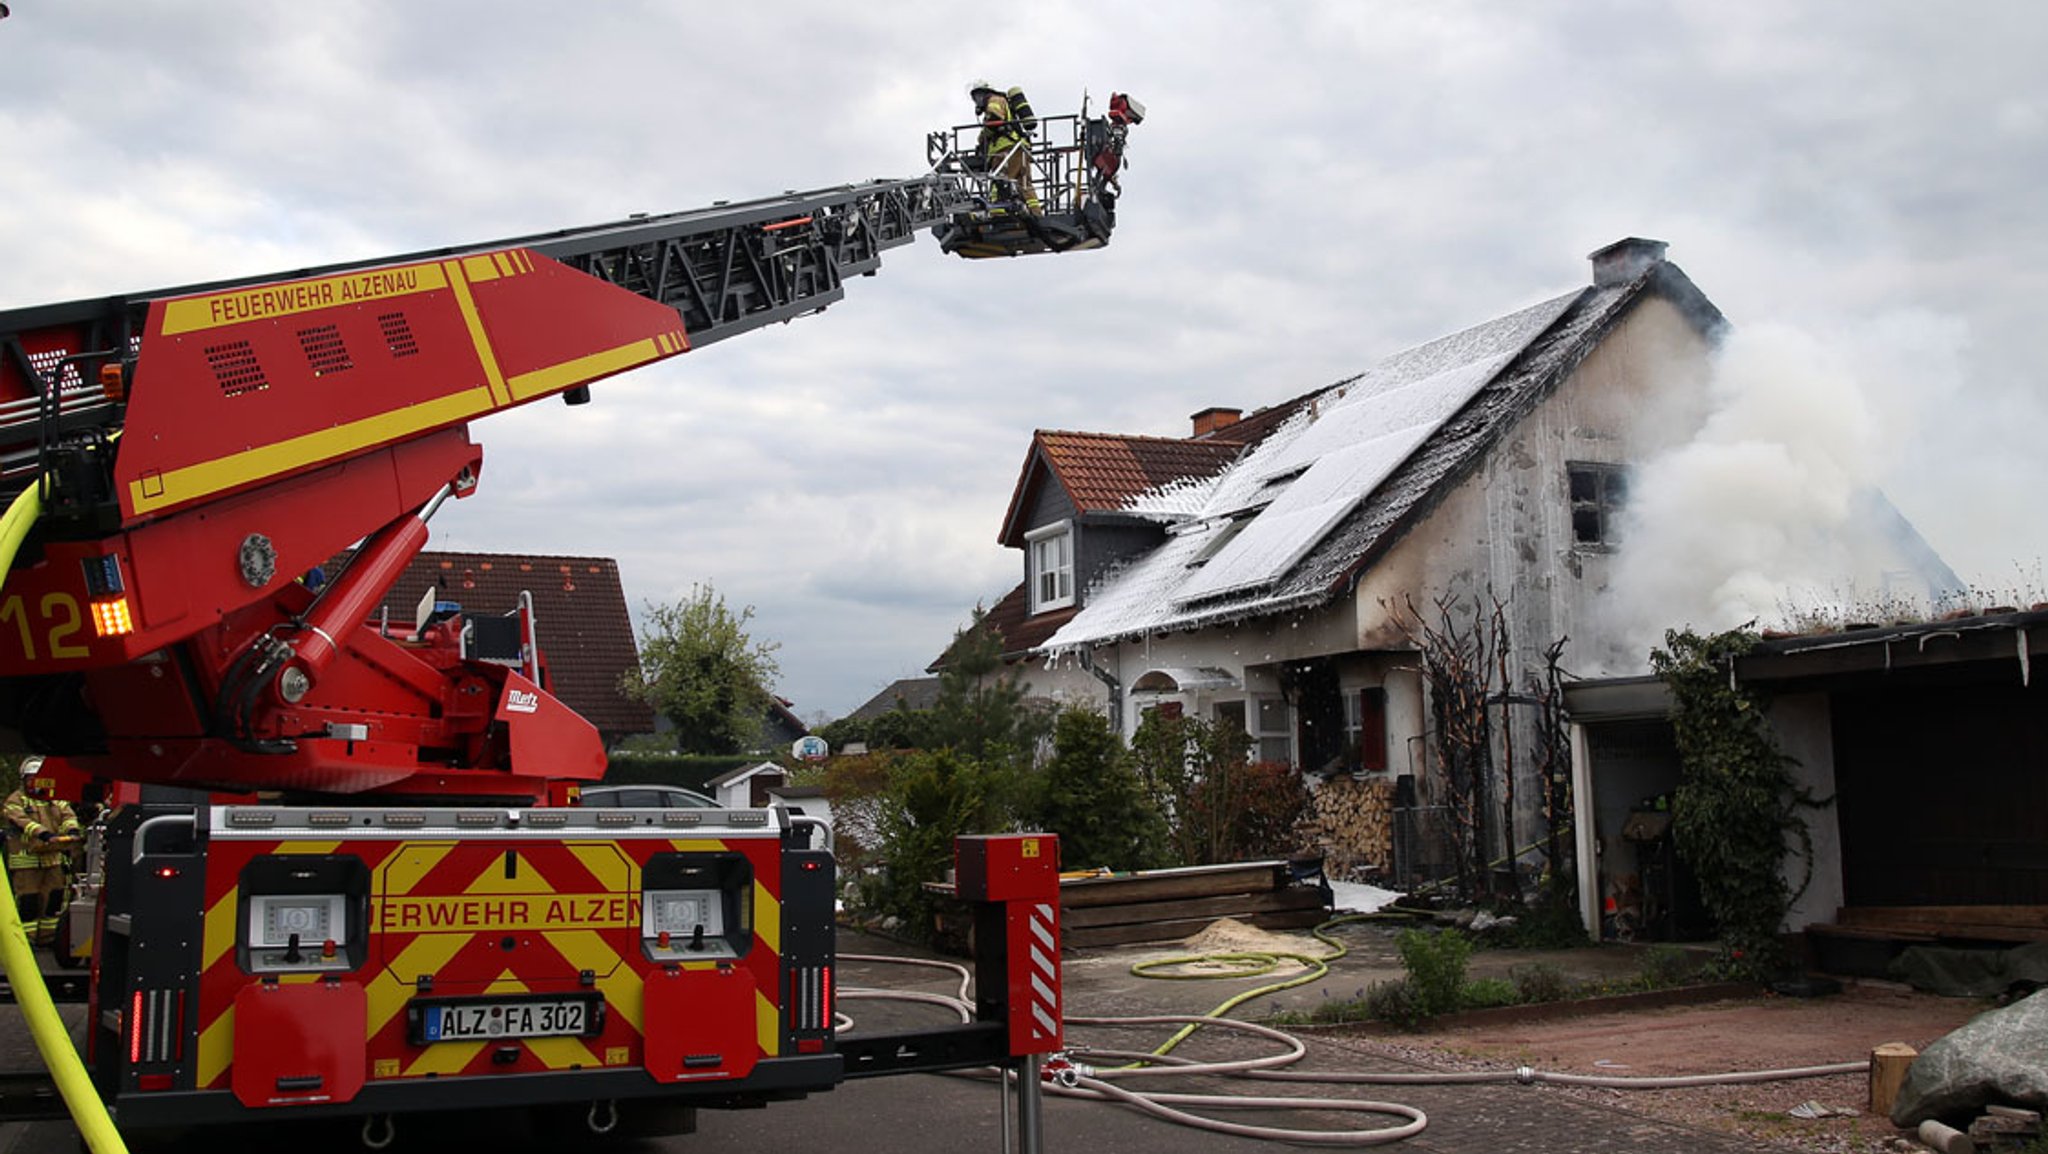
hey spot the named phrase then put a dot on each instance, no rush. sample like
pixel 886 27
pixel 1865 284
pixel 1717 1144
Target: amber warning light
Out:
pixel 111 618
pixel 108 592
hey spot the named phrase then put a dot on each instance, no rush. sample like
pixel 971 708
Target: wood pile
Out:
pixel 1163 905
pixel 2006 1128
pixel 1352 825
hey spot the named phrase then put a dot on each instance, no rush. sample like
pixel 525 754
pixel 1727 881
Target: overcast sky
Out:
pixel 1318 184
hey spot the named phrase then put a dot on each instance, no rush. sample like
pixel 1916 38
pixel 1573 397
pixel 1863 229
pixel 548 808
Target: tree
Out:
pixel 700 669
pixel 1090 795
pixel 1198 774
pixel 981 712
pixel 931 798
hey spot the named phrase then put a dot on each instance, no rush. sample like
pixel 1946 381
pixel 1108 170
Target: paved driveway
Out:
pixel 936 1114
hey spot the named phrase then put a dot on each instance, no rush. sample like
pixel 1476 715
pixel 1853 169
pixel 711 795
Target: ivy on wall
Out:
pixel 1736 813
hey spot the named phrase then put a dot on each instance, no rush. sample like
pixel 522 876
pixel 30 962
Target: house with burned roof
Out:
pixel 1275 572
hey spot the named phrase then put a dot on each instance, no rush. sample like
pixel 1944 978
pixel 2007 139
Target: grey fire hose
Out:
pixel 1075 1080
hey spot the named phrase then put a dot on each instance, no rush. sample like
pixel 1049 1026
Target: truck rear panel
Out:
pixel 263 961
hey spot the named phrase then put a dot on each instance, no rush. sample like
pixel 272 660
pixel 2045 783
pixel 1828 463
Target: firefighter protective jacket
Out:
pixel 28 819
pixel 998 132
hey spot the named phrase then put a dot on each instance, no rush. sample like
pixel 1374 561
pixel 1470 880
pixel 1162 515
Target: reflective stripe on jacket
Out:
pixel 26 818
pixel 997 132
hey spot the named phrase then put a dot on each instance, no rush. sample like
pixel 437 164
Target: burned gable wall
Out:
pixel 1506 531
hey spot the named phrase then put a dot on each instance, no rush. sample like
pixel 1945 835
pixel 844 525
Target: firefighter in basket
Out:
pixel 1004 147
pixel 42 831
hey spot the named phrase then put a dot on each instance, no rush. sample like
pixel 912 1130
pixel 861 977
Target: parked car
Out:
pixel 645 797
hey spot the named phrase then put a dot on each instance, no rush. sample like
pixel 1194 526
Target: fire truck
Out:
pixel 341 886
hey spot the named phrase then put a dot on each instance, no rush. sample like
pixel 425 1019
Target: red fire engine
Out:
pixel 404 923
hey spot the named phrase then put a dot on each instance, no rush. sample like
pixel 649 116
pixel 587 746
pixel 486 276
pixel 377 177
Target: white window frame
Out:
pixel 1256 710
pixel 1061 532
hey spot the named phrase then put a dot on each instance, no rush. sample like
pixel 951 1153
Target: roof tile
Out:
pixel 579 608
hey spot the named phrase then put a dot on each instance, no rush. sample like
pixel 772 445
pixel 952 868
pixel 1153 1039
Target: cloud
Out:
pixel 1319 184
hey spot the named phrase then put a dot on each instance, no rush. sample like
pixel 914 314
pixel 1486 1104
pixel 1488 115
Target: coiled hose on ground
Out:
pixel 1080 1081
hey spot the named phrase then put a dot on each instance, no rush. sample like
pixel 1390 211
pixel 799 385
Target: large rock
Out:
pixel 2000 1056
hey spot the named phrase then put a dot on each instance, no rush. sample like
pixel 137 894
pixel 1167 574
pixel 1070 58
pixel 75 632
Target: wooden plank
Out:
pixel 1160 885
pixel 1869 933
pixel 1227 906
pixel 1926 923
pixel 2022 917
pixel 1178 928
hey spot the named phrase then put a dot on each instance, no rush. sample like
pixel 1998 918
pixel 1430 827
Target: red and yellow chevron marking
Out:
pixel 446 909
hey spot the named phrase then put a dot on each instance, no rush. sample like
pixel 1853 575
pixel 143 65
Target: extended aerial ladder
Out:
pixel 386 916
pixel 196 456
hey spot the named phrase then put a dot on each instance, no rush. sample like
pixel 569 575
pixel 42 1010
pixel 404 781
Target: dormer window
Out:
pixel 1051 556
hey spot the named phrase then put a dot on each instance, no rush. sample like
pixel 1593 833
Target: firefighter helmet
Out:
pixel 33 783
pixel 977 87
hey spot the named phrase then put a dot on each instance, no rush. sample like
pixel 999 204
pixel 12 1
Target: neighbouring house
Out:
pixel 1926 745
pixel 747 787
pixel 1276 571
pixel 781 728
pixel 1931 742
pixel 580 620
pixel 912 693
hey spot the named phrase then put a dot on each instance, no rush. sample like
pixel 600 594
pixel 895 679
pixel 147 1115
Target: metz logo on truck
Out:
pixel 520 701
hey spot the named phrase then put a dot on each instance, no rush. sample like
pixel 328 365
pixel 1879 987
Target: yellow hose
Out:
pixel 88 1113
pixel 1254 963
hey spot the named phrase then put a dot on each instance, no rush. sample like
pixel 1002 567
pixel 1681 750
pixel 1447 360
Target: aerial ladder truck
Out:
pixel 339 889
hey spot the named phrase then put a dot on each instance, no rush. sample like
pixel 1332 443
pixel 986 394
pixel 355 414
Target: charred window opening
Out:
pixel 1598 494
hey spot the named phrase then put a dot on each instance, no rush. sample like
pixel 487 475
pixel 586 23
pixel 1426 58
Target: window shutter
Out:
pixel 1372 730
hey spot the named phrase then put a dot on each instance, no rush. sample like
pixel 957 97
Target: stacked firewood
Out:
pixel 1351 824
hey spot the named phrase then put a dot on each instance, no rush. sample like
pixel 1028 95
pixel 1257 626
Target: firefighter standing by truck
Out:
pixel 1004 150
pixel 41 831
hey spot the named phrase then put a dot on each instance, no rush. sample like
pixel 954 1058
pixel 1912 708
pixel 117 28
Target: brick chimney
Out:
pixel 1213 419
pixel 1625 260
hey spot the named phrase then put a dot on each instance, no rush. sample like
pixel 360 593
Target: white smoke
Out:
pixel 1773 512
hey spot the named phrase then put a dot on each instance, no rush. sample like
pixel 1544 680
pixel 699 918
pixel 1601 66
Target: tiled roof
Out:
pixel 1105 472
pixel 1019 630
pixel 1260 425
pixel 913 693
pixel 579 609
pixel 1443 405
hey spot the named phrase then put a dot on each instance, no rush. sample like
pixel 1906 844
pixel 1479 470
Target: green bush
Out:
pixel 1662 966
pixel 1488 993
pixel 1541 982
pixel 1738 812
pixel 1332 1011
pixel 1543 924
pixel 1397 1002
pixel 1435 961
pixel 1090 796
pixel 931 799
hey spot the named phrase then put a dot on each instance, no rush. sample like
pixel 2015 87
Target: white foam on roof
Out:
pixel 1177 500
pixel 1355 441
pixel 1301 481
